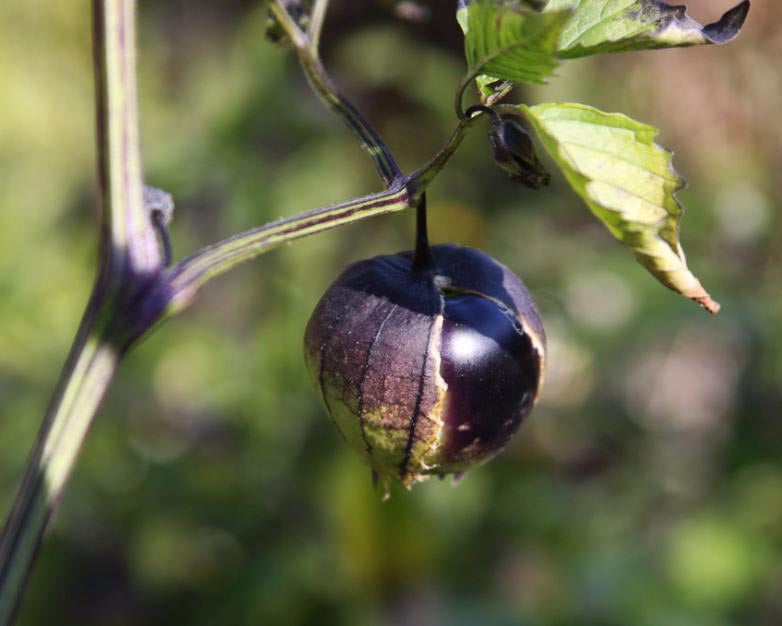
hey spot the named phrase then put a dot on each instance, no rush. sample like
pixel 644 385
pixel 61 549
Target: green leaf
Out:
pixel 598 26
pixel 490 88
pixel 627 181
pixel 504 43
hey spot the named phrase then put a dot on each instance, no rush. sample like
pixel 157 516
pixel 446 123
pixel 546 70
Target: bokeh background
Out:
pixel 646 488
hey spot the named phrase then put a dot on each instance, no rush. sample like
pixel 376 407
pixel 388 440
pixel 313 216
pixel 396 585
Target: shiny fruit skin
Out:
pixel 426 371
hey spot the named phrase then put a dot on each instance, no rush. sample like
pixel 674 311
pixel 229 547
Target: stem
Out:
pixel 322 84
pixel 422 258
pixel 159 222
pixel 83 383
pixel 423 177
pixel 480 108
pixel 190 274
pixel 317 17
pixel 459 95
pixel 187 277
pixel 127 238
pixel 129 266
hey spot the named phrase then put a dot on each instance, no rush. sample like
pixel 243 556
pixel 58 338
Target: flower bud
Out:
pixel 426 371
pixel 514 152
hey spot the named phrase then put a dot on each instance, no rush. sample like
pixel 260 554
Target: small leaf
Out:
pixel 492 89
pixel 505 43
pixel 599 26
pixel 627 181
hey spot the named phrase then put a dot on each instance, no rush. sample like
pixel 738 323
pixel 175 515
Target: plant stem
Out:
pixel 190 274
pixel 459 94
pixel 322 84
pixel 317 18
pixel 130 262
pixel 422 258
pixel 476 109
pixel 83 383
pixel 128 237
pixel 424 176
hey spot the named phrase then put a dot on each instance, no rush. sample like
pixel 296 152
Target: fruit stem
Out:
pixel 479 108
pixel 422 259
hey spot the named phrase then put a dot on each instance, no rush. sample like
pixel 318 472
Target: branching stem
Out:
pixel 129 261
pixel 322 84
pixel 83 383
pixel 134 291
pixel 477 109
pixel 189 275
pixel 317 17
pixel 459 95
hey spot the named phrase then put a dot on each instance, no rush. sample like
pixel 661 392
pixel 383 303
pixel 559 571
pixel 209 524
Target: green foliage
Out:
pixel 628 181
pixel 506 44
pixel 599 26
pixel 610 160
pixel 512 45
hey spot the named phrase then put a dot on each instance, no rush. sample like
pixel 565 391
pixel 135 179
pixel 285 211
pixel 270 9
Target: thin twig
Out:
pixel 317 17
pixel 322 84
pixel 190 274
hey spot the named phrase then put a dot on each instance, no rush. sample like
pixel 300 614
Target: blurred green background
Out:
pixel 646 488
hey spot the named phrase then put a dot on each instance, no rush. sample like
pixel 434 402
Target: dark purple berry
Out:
pixel 426 371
